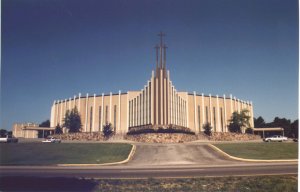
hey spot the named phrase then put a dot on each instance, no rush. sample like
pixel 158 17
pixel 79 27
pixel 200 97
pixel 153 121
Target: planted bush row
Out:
pixel 136 131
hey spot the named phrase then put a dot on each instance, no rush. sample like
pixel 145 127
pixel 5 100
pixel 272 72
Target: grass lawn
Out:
pixel 286 183
pixel 210 184
pixel 261 150
pixel 62 153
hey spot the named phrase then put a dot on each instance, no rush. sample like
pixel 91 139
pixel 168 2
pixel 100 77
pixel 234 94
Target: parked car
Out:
pixel 279 138
pixel 51 140
pixel 9 139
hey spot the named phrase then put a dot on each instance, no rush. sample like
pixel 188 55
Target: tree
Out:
pixel 3 132
pixel 284 123
pixel 41 133
pixel 259 122
pixel 72 121
pixel 239 121
pixel 107 130
pixel 58 129
pixel 294 129
pixel 207 129
pixel 249 130
pixel 45 124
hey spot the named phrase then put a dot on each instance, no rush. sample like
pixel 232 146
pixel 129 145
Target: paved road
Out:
pixel 155 171
pixel 161 160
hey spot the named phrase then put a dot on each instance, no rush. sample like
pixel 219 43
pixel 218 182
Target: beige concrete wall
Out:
pixel 183 105
pixel 189 115
pixel 183 109
pixel 114 117
pixel 19 130
pixel 199 124
pixel 223 112
pixel 191 109
pixel 31 134
pixel 97 112
pixel 214 113
pixel 86 105
pixel 124 114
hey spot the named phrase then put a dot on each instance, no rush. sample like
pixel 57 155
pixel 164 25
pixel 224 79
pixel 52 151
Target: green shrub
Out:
pixel 207 129
pixel 150 129
pixel 107 130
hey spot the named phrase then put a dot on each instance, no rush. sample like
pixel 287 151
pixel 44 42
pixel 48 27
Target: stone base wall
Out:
pixel 162 138
pixel 97 136
pixel 218 136
pixel 180 138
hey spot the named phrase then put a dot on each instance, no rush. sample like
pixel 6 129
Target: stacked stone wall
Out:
pixel 219 136
pixel 96 136
pixel 160 137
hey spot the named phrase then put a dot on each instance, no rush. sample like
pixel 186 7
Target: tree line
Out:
pixel 240 123
pixel 290 128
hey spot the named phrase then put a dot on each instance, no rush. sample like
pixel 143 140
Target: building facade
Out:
pixel 30 130
pixel 158 104
pixel 19 130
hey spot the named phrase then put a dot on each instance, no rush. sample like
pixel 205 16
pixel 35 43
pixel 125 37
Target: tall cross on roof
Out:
pixel 161 34
pixel 156 47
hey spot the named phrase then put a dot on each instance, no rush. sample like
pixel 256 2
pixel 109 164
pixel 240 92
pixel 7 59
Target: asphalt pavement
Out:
pixel 161 160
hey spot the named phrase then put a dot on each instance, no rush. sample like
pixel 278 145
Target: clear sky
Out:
pixel 54 49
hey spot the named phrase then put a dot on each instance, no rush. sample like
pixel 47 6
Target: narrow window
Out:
pixel 135 119
pixel 214 111
pixel 115 118
pixel 143 108
pixel 206 111
pixel 199 125
pixel 180 111
pixel 129 115
pixel 177 110
pixel 150 102
pixel 221 114
pixel 91 119
pixel 106 114
pixel 132 124
pixel 141 114
pixel 100 113
pixel 137 110
pixel 147 100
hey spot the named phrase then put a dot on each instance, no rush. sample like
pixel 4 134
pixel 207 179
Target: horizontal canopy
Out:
pixel 268 129
pixel 39 128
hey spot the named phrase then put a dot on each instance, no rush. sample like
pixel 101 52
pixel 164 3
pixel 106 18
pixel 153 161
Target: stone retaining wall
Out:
pixel 180 137
pixel 96 136
pixel 160 137
pixel 232 137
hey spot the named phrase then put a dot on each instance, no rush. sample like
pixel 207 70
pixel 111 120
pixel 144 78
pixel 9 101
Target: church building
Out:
pixel 157 104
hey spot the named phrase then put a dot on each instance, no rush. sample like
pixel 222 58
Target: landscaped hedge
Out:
pixel 151 129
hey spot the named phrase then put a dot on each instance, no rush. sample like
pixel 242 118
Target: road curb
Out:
pixel 133 149
pixel 250 160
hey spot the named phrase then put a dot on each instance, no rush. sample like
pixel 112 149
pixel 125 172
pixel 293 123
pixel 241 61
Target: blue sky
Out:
pixel 54 49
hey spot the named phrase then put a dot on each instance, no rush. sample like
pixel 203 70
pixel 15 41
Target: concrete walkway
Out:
pixel 176 154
